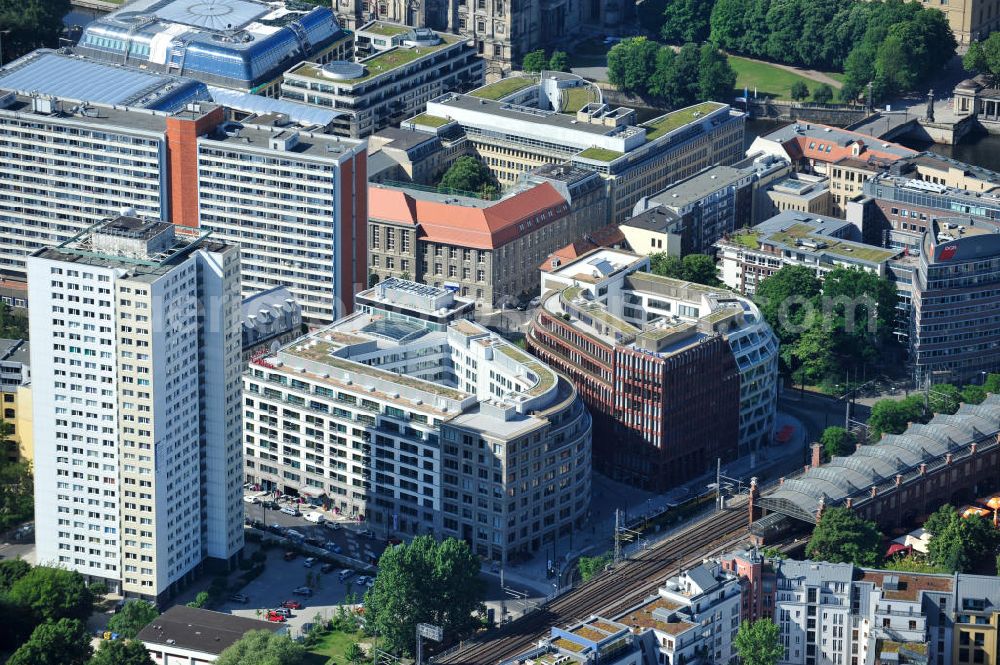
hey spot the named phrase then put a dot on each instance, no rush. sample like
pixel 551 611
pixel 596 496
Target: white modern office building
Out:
pixel 135 354
pixel 275 182
pixel 417 420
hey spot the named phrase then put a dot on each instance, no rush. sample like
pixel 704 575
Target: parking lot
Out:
pixel 355 540
pixel 282 577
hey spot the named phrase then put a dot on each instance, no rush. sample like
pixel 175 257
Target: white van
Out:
pixel 315 517
pixel 345 573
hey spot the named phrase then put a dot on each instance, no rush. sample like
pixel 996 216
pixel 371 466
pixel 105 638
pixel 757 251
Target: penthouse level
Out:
pixel 389 85
pixel 635 160
pixel 676 374
pixel 421 425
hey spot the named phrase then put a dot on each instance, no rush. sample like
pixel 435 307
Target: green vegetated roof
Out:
pixel 503 87
pixel 386 29
pixel 600 154
pixel 575 98
pixel 380 63
pixel 667 123
pixel 428 120
pixel 546 377
pixel 748 239
pixel 833 245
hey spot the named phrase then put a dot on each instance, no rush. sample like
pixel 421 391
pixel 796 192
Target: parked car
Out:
pixel 292 605
pixel 309 562
pixel 270 505
pixel 362 579
pixel 345 573
pixel 327 568
pixel 251 499
pixel 303 591
pixel 292 533
pixel 333 526
pixel 239 598
pixel 290 510
pixel 289 555
pixel 275 617
pixel 283 611
pixel 315 517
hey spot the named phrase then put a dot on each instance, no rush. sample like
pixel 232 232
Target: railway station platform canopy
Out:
pixel 879 464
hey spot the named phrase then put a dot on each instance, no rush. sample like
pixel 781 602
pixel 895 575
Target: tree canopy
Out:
pixel 11 570
pixel 837 442
pixel 559 62
pixel 759 643
pixel 840 536
pixel 122 652
pixel 468 174
pixel 261 647
pixel 63 642
pixel 895 44
pixel 685 21
pixel 132 618
pixel 984 57
pixel 694 74
pixel 891 416
pixel 799 91
pixel 960 544
pixel 424 581
pixel 52 594
pixel 588 566
pixel 828 328
pixel 535 61
pixel 698 268
pixel 32 24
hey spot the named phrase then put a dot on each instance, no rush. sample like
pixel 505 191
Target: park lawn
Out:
pixel 333 645
pixel 769 80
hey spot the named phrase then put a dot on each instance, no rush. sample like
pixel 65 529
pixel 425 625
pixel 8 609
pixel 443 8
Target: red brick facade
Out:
pixel 182 158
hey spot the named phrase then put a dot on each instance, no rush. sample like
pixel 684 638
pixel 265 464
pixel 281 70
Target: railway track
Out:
pixel 609 593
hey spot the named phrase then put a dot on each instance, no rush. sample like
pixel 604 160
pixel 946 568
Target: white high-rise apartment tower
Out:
pixel 135 329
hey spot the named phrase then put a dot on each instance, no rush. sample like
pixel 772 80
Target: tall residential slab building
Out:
pixel 292 196
pixel 135 332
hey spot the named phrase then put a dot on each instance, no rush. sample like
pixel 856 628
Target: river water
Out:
pixel 81 17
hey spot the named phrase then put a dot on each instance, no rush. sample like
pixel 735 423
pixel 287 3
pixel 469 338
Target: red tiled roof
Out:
pixel 606 236
pixel 480 228
pixel 799 148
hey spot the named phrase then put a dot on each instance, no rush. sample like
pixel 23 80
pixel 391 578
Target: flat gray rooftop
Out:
pixel 522 114
pixel 699 186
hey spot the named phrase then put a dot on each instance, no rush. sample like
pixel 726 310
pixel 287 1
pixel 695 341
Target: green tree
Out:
pixel 974 60
pixel 698 268
pixel 559 62
pixel 680 87
pixel 631 62
pixel 992 382
pixel 52 594
pixel 964 544
pixel 890 416
pixel 941 519
pixel 11 570
pixel 810 358
pixel 588 566
pixel 799 91
pixel 716 79
pixel 862 310
pixel 424 581
pixel 944 398
pixel 32 24
pixel 823 94
pixel 911 564
pixel 785 298
pixel 200 600
pixel 262 647
pixel 973 394
pixel 759 643
pixel 837 442
pixel 661 72
pixel 62 642
pixel 132 618
pixel 650 14
pixel 467 174
pixel 840 536
pixel 686 21
pixel 121 652
pixel 666 266
pixel 354 654
pixel 535 61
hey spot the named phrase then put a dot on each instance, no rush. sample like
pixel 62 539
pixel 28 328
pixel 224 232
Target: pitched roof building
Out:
pixel 486 250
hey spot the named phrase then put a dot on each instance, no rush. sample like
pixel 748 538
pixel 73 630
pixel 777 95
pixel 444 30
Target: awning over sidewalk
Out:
pixel 312 492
